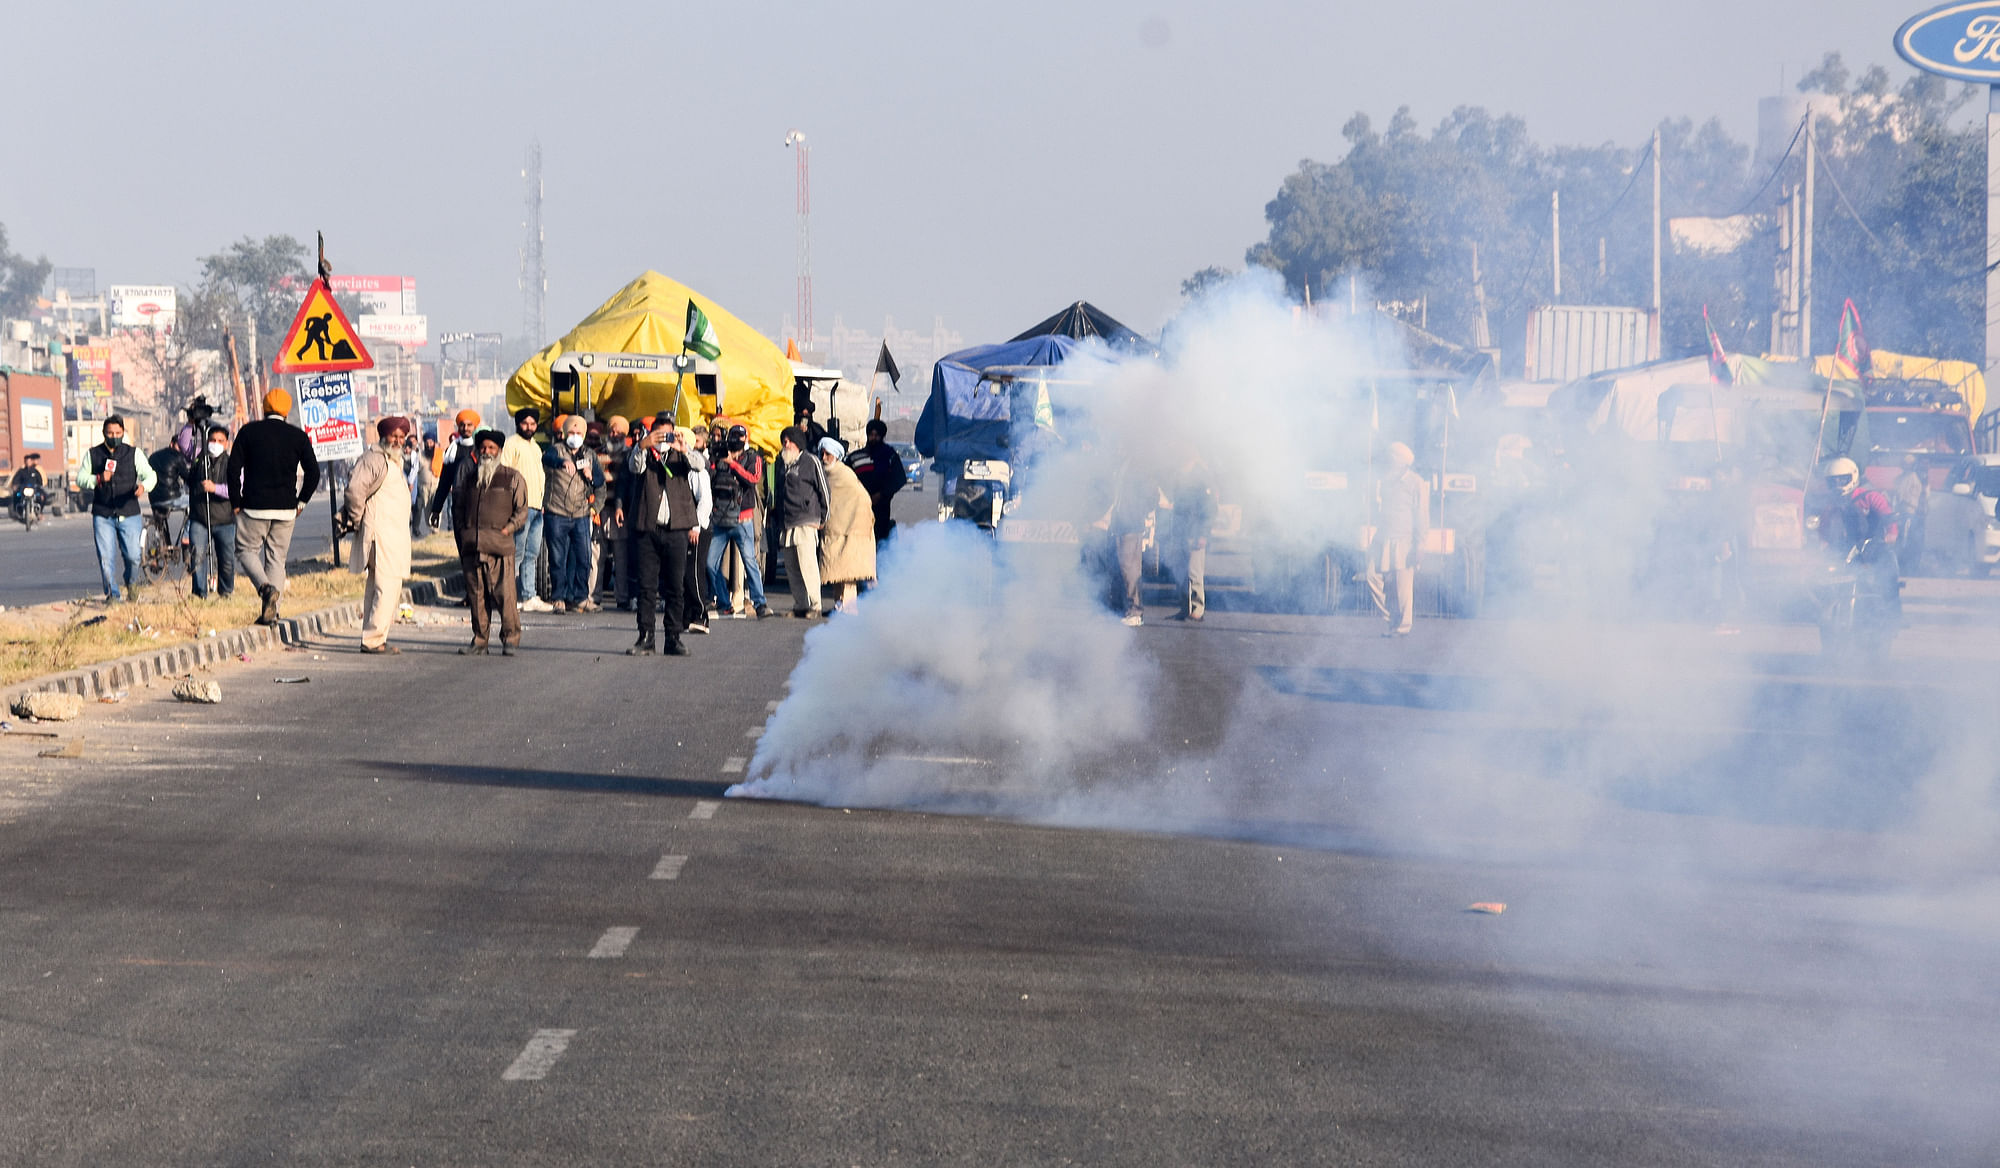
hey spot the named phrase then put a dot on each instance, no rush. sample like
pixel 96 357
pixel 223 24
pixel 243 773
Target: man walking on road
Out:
pixel 573 490
pixel 377 508
pixel 1193 494
pixel 663 521
pixel 488 505
pixel 272 476
pixel 523 455
pixel 881 472
pixel 211 516
pixel 802 500
pixel 1135 497
pixel 116 476
pixel 1403 519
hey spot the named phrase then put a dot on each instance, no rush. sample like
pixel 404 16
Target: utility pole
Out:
pixel 796 139
pixel 1556 242
pixel 1992 305
pixel 534 280
pixel 1806 245
pixel 1653 342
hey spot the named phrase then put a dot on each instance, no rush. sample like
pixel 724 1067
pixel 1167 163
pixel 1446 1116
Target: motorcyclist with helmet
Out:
pixel 1859 523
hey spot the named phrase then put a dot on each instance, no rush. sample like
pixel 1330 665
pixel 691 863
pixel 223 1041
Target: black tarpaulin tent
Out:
pixel 1084 319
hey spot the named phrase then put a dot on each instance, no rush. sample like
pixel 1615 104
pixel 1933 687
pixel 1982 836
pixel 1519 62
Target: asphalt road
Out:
pixel 440 910
pixel 57 561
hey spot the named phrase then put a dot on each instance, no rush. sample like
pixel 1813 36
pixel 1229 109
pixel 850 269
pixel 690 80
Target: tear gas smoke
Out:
pixel 1659 785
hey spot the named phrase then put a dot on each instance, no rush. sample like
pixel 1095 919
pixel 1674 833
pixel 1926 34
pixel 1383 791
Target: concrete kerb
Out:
pixel 108 677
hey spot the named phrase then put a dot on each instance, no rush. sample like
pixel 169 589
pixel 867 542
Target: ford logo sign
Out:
pixel 1955 40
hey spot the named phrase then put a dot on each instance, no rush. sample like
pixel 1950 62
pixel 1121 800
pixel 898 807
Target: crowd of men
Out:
pixel 667 522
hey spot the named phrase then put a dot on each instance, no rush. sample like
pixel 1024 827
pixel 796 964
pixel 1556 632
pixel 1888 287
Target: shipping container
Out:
pixel 1569 342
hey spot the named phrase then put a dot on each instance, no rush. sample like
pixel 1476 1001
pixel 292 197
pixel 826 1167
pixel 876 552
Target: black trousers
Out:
pixel 694 589
pixel 663 559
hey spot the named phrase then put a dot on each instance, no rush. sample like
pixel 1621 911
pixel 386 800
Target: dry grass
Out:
pixel 51 638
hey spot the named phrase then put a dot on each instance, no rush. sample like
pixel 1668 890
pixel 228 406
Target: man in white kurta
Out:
pixel 377 507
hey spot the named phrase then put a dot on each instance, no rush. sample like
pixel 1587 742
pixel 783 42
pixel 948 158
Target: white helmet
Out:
pixel 1841 474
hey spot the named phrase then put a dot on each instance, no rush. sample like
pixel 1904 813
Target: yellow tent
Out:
pixel 649 315
pixel 1962 376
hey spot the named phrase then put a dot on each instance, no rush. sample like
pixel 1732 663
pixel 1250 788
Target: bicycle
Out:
pixel 162 551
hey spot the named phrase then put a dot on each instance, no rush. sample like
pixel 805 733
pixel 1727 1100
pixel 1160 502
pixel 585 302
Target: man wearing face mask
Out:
pixel 211 516
pixel 452 459
pixel 116 476
pixel 377 508
pixel 575 483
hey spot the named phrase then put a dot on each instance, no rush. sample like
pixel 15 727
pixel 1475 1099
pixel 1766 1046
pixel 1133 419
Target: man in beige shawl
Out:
pixel 377 509
pixel 847 544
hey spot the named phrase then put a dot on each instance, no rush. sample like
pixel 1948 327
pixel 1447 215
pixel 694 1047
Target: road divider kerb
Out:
pixel 174 661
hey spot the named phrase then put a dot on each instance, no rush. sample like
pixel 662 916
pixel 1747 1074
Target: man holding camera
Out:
pixel 661 513
pixel 736 470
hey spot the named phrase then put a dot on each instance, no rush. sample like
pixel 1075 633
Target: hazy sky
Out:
pixel 986 163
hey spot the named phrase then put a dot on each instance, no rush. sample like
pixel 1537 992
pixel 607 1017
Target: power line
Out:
pixel 1782 159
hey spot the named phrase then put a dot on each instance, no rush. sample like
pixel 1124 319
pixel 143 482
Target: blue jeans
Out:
pixel 528 554
pixel 744 537
pixel 220 552
pixel 118 535
pixel 569 558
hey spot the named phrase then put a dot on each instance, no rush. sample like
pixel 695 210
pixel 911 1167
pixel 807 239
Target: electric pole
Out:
pixel 534 279
pixel 796 139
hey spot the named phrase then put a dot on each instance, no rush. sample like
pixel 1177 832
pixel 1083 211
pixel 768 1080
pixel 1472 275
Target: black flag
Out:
pixel 887 364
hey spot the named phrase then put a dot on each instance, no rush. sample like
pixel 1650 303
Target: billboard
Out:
pixel 401 329
pixel 327 415
pixel 380 295
pixel 142 306
pixel 90 373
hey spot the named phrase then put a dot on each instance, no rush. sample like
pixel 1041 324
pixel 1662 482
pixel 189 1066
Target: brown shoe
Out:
pixel 380 649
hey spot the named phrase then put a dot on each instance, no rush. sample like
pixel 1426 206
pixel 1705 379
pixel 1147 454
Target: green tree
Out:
pixel 21 279
pixel 263 279
pixel 1203 282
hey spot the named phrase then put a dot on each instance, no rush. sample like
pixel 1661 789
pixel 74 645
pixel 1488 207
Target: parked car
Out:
pixel 913 462
pixel 1963 531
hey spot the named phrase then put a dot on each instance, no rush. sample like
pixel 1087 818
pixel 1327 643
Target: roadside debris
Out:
pixel 48 706
pixel 113 698
pixel 71 749
pixel 187 689
pixel 1492 908
pixel 291 680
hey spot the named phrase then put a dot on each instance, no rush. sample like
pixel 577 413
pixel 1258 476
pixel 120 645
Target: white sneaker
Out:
pixel 537 605
pixel 1134 620
pixel 698 627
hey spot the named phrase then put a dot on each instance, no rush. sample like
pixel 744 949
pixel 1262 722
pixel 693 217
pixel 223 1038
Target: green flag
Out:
pixel 1045 414
pixel 701 334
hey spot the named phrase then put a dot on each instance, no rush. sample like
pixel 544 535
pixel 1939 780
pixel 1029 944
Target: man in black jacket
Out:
pixel 882 474
pixel 272 475
pixel 660 509
pixel 211 516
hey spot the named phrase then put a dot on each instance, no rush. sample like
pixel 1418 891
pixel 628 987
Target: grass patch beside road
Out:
pixel 52 638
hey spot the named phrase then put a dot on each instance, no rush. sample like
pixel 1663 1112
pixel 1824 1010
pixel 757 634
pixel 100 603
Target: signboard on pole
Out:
pixel 321 340
pixel 1960 41
pixel 403 330
pixel 328 416
pixel 142 306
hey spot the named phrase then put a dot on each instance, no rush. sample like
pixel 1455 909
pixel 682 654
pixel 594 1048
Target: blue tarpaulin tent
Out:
pixel 968 416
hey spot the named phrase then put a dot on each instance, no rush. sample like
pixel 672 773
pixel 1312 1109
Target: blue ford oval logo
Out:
pixel 1955 40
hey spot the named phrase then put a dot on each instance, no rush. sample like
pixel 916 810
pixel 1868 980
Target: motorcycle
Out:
pixel 29 504
pixel 1860 604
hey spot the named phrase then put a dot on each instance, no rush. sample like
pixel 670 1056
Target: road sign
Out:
pixel 1960 41
pixel 321 340
pixel 327 413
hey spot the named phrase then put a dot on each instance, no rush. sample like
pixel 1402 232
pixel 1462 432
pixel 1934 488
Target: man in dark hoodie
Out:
pixel 272 476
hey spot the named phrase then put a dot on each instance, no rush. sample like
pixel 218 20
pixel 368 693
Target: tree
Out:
pixel 21 280
pixel 263 279
pixel 1203 282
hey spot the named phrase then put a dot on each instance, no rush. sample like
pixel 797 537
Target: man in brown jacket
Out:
pixel 487 508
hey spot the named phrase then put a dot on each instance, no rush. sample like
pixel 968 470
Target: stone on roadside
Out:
pixel 187 689
pixel 49 706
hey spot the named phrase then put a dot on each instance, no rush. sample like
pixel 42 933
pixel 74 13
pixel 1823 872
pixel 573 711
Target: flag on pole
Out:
pixel 1851 356
pixel 701 334
pixel 1045 414
pixel 887 364
pixel 1718 360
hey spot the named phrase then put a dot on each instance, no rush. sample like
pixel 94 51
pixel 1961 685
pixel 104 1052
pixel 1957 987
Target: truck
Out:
pixel 1919 450
pixel 31 407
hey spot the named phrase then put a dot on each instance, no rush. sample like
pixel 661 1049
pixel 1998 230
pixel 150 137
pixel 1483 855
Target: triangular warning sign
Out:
pixel 320 339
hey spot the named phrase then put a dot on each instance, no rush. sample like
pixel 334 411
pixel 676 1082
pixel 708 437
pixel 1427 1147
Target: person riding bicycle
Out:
pixel 1861 519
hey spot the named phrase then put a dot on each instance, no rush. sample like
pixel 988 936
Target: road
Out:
pixel 443 910
pixel 58 560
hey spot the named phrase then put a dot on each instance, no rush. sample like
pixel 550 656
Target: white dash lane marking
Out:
pixel 754 732
pixel 705 809
pixel 541 1053
pixel 734 765
pixel 614 942
pixel 669 867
